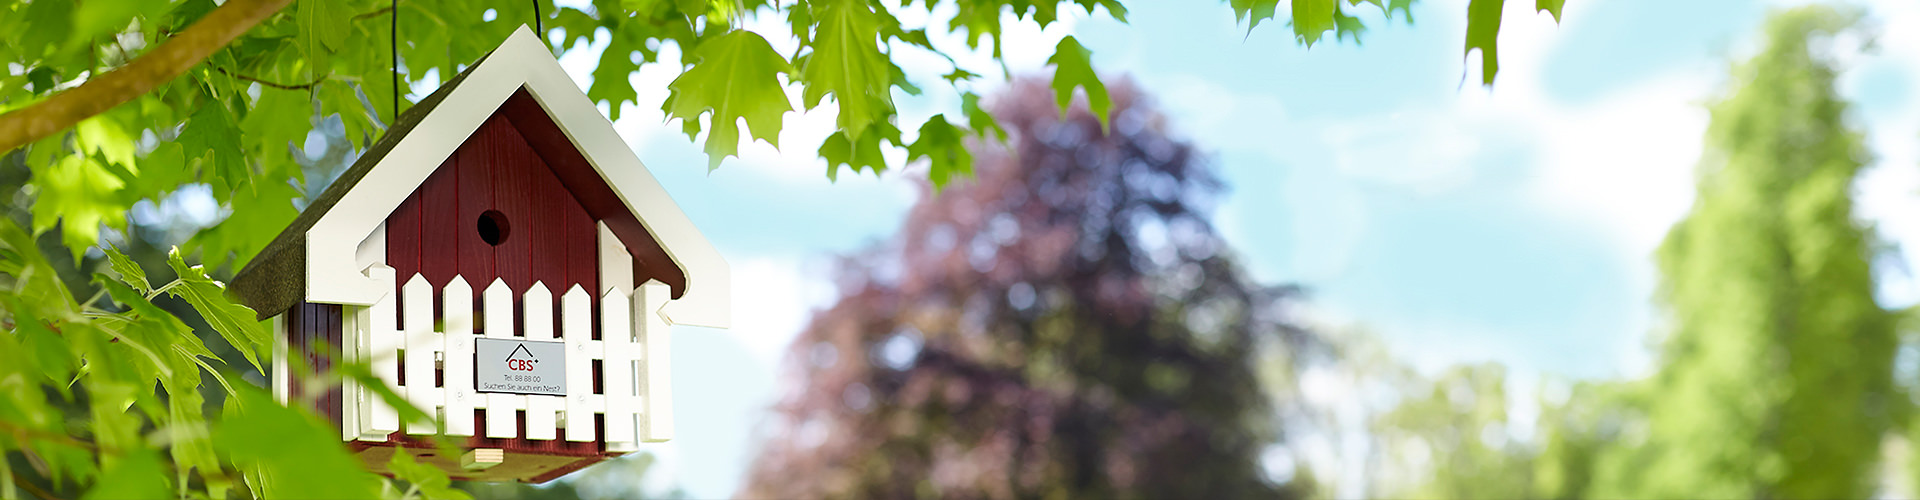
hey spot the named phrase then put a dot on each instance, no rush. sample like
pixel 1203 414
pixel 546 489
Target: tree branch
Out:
pixel 32 489
pixel 21 434
pixel 277 85
pixel 373 14
pixel 166 62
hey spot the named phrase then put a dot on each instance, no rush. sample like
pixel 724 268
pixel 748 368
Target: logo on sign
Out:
pixel 521 359
pixel 520 367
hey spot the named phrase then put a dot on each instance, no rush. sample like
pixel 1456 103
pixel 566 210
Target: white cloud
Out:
pixel 1421 151
pixel 774 297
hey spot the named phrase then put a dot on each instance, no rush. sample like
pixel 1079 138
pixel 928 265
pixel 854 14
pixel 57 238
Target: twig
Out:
pixel 376 13
pixel 21 433
pixel 31 489
pixel 283 86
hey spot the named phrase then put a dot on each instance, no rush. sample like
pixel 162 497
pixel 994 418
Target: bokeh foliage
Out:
pixel 1775 375
pixel 1065 325
pixel 1776 378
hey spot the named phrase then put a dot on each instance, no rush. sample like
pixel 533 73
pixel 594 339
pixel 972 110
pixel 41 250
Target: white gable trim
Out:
pixel 522 60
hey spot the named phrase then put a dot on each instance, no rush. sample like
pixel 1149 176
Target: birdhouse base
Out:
pixel 516 466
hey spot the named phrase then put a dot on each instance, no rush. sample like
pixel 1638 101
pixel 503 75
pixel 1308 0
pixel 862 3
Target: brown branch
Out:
pixel 166 62
pixel 277 85
pixel 23 433
pixel 374 14
pixel 32 489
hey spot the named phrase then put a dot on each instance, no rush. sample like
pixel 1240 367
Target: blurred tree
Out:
pixel 1456 427
pixel 1065 325
pixel 1575 427
pixel 1775 381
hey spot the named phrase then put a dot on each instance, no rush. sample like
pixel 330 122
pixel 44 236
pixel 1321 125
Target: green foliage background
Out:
pixel 1775 376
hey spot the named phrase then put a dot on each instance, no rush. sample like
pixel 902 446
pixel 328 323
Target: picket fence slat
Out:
pixel 656 393
pixel 457 302
pixel 576 322
pixel 383 343
pixel 616 369
pixel 420 348
pixel 541 419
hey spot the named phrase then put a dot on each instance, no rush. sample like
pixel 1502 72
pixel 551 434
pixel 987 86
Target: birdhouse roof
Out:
pixel 313 260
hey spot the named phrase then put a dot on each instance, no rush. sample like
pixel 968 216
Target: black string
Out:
pixel 394 43
pixel 536 21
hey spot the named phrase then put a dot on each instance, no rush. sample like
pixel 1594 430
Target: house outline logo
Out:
pixel 523 365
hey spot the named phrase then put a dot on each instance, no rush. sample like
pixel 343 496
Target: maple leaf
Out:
pixel 846 62
pixel 1073 67
pixel 946 155
pixel 1483 30
pixel 1311 18
pixel 858 154
pixel 1551 6
pixel 611 82
pixel 1253 11
pixel 81 194
pixel 978 119
pixel 736 76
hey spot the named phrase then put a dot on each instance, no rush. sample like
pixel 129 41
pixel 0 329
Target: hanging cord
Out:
pixel 537 28
pixel 394 43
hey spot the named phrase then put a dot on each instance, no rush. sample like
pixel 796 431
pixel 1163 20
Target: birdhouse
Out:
pixel 503 261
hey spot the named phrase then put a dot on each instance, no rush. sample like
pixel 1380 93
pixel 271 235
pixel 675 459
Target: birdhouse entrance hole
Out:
pixel 493 227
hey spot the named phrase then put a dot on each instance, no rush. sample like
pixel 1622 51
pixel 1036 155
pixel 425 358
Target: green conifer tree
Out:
pixel 1775 378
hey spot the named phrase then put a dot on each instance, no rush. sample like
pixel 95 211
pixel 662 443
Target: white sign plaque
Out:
pixel 520 367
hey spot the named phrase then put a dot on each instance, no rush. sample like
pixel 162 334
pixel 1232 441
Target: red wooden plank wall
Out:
pixel 549 238
pixel 313 335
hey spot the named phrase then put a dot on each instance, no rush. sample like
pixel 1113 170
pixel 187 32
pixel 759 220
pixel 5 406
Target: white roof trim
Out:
pixel 522 60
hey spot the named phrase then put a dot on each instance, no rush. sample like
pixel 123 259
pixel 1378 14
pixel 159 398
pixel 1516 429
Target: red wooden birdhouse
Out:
pixel 501 259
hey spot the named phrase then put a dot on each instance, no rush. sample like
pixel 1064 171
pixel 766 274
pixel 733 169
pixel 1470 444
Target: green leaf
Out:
pixel 130 272
pixel 1348 26
pixel 940 142
pixel 612 78
pixel 295 454
pixel 1253 11
pixel 278 119
pixel 81 194
pixel 978 119
pixel 34 278
pixel 1073 67
pixel 136 475
pixel 326 21
pixel 211 134
pixel 957 75
pixel 235 322
pixel 736 77
pixel 858 154
pixel 846 62
pixel 1404 6
pixel 431 481
pixel 92 20
pixel 103 136
pixel 1483 31
pixel 1311 18
pixel 361 374
pixel 257 214
pixel 1551 6
pixel 49 353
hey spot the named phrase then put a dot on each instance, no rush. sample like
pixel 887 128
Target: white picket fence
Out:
pixel 632 350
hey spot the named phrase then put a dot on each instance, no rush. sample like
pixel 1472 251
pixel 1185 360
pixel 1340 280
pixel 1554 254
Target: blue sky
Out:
pixel 1459 224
